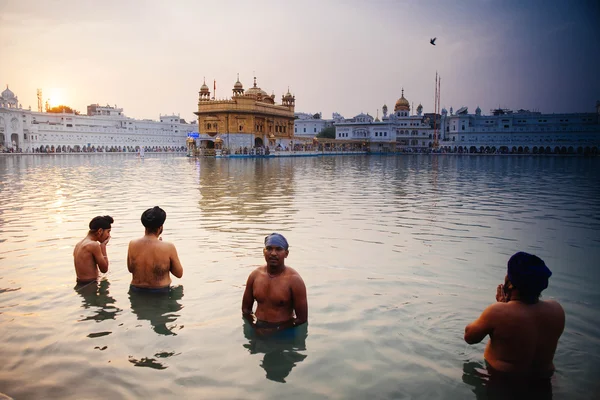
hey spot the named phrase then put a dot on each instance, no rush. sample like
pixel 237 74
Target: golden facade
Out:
pixel 249 119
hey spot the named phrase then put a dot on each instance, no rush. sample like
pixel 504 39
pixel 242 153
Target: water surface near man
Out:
pixel 398 254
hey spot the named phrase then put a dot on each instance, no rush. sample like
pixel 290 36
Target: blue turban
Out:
pixel 276 240
pixel 528 273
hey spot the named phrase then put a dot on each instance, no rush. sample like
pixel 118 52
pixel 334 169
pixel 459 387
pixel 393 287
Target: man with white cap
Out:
pixel 524 330
pixel 278 290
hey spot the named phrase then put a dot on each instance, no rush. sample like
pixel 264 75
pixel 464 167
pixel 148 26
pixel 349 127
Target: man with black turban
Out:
pixel 524 330
pixel 149 259
pixel 89 254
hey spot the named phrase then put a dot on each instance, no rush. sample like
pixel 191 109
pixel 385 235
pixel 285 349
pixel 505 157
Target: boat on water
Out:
pixel 102 129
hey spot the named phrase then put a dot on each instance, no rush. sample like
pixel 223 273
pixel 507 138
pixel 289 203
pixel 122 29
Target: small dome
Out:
pixel 7 93
pixel 204 88
pixel 238 84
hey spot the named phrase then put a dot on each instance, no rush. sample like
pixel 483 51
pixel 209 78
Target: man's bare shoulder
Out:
pixel 291 271
pixel 553 306
pixel 88 244
pixel 495 310
pixel 166 245
pixel 262 269
pixel 294 276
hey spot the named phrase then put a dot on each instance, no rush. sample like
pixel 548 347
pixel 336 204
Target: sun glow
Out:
pixel 56 97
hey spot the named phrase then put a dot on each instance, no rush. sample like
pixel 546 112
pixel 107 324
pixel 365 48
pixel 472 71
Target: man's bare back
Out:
pixel 523 337
pixel 149 259
pixel 524 331
pixel 89 254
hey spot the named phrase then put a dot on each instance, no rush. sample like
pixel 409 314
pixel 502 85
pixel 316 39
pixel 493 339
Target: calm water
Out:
pixel 398 254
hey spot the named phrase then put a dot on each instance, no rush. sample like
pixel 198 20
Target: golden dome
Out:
pixel 402 104
pixel 256 91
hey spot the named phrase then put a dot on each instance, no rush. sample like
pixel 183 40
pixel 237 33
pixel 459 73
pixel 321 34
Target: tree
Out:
pixel 61 108
pixel 317 116
pixel 327 133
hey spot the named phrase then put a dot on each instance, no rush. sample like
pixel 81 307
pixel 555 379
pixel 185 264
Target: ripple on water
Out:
pixel 398 255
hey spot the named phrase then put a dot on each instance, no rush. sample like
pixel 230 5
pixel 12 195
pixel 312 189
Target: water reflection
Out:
pixel 494 386
pixel 280 352
pixel 158 308
pixel 245 188
pixel 97 295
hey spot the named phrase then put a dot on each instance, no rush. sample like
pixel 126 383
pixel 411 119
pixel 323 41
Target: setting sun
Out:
pixel 55 97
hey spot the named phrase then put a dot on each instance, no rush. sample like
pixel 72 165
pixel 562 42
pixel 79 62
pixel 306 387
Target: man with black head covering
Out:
pixel 278 290
pixel 89 254
pixel 149 259
pixel 524 330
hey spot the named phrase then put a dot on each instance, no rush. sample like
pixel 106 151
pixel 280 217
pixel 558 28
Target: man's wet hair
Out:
pixel 101 222
pixel 153 218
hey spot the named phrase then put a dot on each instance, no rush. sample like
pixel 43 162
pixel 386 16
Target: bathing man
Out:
pixel 89 254
pixel 279 291
pixel 524 330
pixel 149 259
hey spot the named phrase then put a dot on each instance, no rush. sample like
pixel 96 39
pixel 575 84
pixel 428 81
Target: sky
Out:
pixel 151 57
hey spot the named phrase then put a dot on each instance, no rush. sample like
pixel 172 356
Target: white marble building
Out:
pixel 504 131
pixel 521 132
pixel 308 126
pixel 398 131
pixel 105 128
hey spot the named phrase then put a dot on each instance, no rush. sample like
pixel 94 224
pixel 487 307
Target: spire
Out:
pixel 254 81
pixel 402 92
pixel 238 76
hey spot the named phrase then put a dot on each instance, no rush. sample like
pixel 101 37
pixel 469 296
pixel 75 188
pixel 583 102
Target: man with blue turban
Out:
pixel 278 290
pixel 524 330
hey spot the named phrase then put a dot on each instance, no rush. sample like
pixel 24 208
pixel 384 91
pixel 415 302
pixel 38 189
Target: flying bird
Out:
pixel 432 41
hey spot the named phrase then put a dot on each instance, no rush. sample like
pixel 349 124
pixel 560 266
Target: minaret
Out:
pixel 238 88
pixel 204 92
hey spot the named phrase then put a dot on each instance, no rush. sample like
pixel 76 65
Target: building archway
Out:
pixel 14 140
pixel 571 150
pixel 258 142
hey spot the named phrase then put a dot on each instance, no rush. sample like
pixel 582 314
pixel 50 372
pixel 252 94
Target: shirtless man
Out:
pixel 524 330
pixel 89 254
pixel 149 259
pixel 279 291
